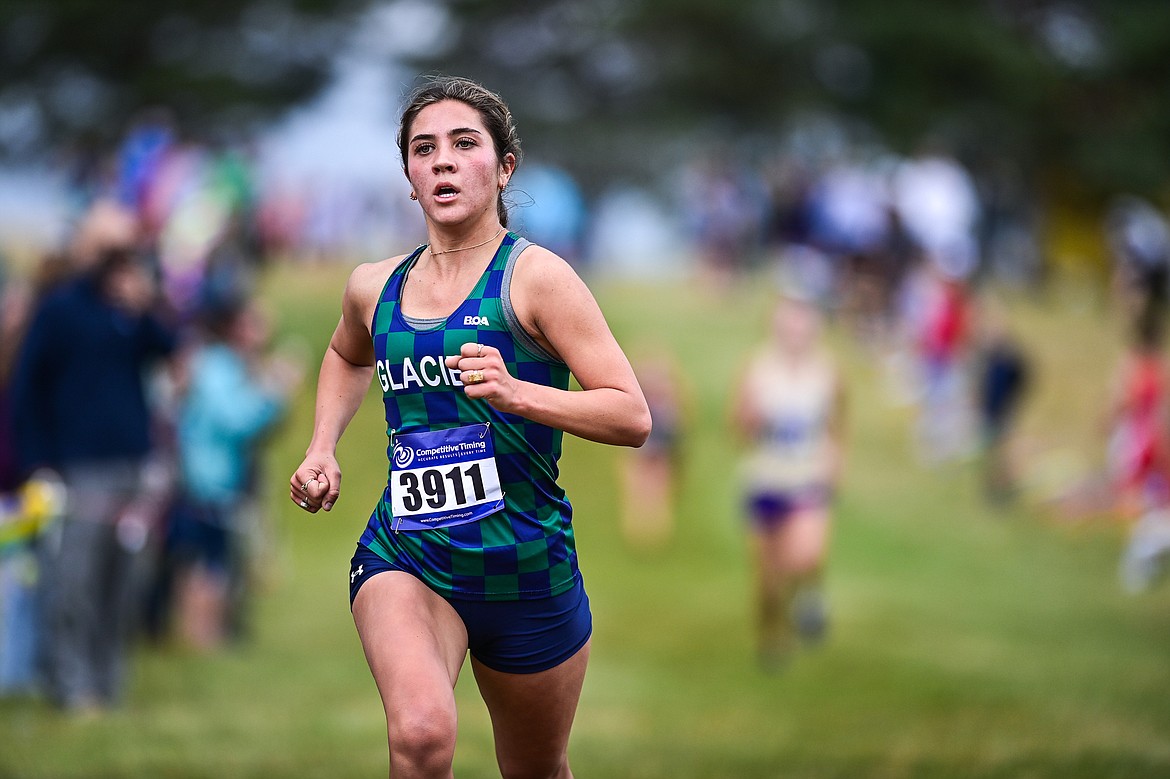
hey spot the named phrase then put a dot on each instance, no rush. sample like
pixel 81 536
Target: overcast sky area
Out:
pixel 349 130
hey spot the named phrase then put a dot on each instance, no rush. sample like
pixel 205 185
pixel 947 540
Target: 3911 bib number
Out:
pixel 429 487
pixel 441 478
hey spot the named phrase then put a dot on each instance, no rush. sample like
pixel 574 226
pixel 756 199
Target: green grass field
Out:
pixel 965 642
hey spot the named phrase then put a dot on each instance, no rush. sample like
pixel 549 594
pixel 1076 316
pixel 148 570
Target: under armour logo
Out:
pixel 356 574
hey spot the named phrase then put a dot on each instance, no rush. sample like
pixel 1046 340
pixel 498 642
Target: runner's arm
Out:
pixel 346 371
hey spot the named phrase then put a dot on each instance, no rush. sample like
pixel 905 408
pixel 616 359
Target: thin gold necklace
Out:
pixel 465 248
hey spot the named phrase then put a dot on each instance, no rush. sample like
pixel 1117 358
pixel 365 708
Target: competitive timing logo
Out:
pixel 403 455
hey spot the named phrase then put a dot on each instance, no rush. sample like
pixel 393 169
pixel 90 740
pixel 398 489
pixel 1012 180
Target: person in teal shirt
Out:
pixel 232 398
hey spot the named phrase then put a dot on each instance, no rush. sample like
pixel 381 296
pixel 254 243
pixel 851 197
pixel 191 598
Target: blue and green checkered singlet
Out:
pixel 527 549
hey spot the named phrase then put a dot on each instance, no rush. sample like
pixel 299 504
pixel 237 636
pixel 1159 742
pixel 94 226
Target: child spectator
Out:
pixel 233 396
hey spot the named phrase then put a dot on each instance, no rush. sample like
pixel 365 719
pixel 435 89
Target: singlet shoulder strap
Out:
pixel 392 289
pixel 505 294
pixel 393 284
pixel 492 281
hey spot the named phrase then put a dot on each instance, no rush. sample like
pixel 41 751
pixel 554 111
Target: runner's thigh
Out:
pixel 414 642
pixel 805 540
pixel 532 714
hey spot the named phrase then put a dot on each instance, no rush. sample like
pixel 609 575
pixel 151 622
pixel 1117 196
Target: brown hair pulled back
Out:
pixel 497 119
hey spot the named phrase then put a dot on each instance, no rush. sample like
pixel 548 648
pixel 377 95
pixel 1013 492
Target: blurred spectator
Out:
pixel 790 218
pixel 14 311
pixel 1008 233
pixel 194 210
pixel 1003 377
pixel 234 394
pixel 649 474
pixel 939 206
pixel 788 409
pixel 790 233
pixel 1139 238
pixel 230 269
pixel 80 411
pixel 26 514
pixel 18 623
pixel 861 236
pixel 1138 446
pixel 937 311
pixel 103 225
pixel 849 209
pixel 1138 453
pixel 138 160
pixel 727 211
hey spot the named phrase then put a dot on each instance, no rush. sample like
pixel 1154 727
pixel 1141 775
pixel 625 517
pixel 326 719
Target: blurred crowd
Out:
pixel 913 256
pixel 139 383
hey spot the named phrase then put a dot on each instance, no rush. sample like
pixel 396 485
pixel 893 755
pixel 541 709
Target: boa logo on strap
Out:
pixel 403 455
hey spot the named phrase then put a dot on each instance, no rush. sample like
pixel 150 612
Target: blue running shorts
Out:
pixel 517 637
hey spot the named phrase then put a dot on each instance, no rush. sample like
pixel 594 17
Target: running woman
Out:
pixel 788 410
pixel 472 338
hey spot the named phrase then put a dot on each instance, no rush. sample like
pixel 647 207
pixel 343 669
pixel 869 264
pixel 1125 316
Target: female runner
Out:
pixel 472 338
pixel 789 408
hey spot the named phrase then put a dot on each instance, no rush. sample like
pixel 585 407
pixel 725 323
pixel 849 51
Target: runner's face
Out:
pixel 452 165
pixel 797 325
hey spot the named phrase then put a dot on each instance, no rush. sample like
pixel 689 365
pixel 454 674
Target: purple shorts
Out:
pixel 770 510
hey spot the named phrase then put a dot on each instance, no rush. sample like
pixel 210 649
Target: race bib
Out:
pixel 441 478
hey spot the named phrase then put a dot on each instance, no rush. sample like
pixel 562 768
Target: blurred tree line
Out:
pixel 77 69
pixel 1069 90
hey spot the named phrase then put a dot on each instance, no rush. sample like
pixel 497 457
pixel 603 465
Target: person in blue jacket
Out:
pixel 80 410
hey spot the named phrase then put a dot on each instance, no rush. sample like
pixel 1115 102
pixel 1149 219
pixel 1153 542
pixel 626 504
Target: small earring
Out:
pixel 413 196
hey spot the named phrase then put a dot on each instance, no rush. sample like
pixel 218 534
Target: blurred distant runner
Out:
pixel 789 408
pixel 649 474
pixel 472 337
